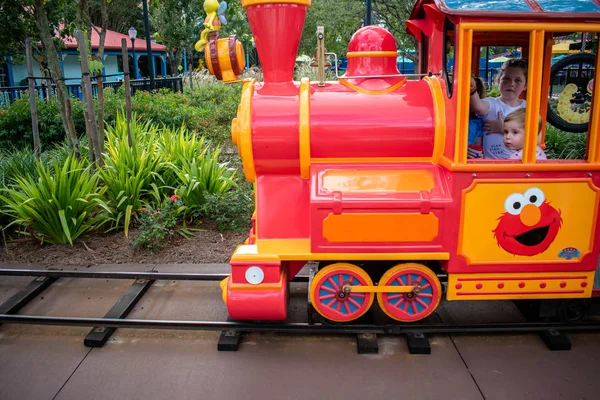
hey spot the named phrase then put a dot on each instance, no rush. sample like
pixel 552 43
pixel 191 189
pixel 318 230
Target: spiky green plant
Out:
pixel 565 145
pixel 201 175
pixel 59 204
pixel 16 163
pixel 130 173
pixel 177 146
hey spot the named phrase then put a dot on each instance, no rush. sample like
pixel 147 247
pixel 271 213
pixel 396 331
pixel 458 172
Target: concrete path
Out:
pixel 39 362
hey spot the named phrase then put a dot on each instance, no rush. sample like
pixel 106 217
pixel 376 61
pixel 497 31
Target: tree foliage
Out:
pixel 177 24
pixel 341 18
pixel 392 14
pixel 122 14
pixel 14 29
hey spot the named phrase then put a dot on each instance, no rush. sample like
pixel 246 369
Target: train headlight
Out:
pixel 255 275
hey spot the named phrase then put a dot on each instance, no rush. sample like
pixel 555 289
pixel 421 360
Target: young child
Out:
pixel 512 82
pixel 476 126
pixel 514 135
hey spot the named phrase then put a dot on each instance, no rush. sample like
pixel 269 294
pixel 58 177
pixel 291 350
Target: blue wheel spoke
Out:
pixel 425 305
pixel 328 289
pixel 347 307
pixel 332 282
pixel 414 307
pixel 353 302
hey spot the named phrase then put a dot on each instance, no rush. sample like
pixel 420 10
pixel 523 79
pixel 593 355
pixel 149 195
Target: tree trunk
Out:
pixel 86 84
pixel 175 59
pixel 104 14
pixel 32 98
pixel 64 102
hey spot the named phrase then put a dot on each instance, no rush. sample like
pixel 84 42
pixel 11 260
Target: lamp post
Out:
pixel 132 35
pixel 148 45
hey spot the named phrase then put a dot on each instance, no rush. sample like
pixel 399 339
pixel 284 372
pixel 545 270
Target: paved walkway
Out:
pixel 52 363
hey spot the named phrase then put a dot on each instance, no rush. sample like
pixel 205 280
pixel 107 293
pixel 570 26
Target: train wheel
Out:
pixel 328 297
pixel 419 303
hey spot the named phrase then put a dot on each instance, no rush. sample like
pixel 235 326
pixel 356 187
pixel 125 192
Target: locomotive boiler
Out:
pixel 368 175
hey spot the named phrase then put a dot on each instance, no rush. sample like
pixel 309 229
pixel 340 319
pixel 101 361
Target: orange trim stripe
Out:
pixel 248 3
pixel 355 54
pixel 304 128
pixel 374 92
pixel 439 111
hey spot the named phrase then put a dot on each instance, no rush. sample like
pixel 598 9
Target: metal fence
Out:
pixel 12 93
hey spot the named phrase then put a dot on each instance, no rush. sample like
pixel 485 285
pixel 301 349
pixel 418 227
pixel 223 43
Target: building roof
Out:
pixel 113 42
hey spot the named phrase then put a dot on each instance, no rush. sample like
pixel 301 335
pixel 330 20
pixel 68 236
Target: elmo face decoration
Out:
pixel 529 225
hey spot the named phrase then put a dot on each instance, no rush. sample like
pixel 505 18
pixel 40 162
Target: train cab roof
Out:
pixel 515 9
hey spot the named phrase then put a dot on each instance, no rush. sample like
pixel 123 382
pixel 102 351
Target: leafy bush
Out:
pixel 130 173
pixel 200 177
pixel 564 145
pixel 15 122
pixel 207 110
pixel 59 206
pixel 15 164
pixel 232 209
pixel 157 225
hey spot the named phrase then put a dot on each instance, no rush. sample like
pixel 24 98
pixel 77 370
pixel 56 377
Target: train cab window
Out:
pixel 500 126
pixel 570 93
pixel 448 55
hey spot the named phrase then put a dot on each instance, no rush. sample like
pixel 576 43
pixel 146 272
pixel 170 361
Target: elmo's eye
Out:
pixel 514 203
pixel 535 196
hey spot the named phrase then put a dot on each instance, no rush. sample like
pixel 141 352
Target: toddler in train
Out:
pixel 514 135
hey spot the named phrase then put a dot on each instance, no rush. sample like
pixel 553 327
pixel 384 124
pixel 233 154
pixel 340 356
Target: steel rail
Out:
pixel 176 276
pixel 151 275
pixel 300 327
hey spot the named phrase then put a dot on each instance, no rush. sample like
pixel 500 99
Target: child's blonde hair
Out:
pixel 519 116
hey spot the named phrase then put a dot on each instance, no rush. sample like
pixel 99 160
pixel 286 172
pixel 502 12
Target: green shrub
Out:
pixel 16 163
pixel 130 173
pixel 200 177
pixel 564 145
pixel 157 225
pixel 15 123
pixel 231 210
pixel 60 205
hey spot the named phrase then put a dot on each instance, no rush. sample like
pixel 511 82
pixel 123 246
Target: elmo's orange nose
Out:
pixel 530 215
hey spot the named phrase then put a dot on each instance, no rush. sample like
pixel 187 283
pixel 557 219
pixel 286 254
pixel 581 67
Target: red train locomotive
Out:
pixel 370 177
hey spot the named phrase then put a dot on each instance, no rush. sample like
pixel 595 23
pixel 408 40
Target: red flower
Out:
pixel 174 198
pixel 143 208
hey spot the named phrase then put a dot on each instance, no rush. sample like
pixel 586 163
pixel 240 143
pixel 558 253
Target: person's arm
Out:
pixel 477 105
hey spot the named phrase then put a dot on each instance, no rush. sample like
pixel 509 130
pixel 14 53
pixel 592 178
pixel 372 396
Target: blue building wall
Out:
pixel 72 69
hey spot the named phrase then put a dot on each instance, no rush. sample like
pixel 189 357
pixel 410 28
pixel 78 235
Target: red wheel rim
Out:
pixel 415 305
pixel 329 299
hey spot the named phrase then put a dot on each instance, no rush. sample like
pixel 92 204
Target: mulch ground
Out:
pixel 208 245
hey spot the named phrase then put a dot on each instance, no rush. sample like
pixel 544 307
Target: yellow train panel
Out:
pixel 506 286
pixel 520 222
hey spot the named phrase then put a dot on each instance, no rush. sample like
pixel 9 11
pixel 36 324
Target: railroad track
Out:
pixel 231 331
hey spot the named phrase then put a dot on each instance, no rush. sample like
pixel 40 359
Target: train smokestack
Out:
pixel 277 28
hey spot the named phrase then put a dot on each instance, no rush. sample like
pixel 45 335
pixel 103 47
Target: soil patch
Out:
pixel 208 245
